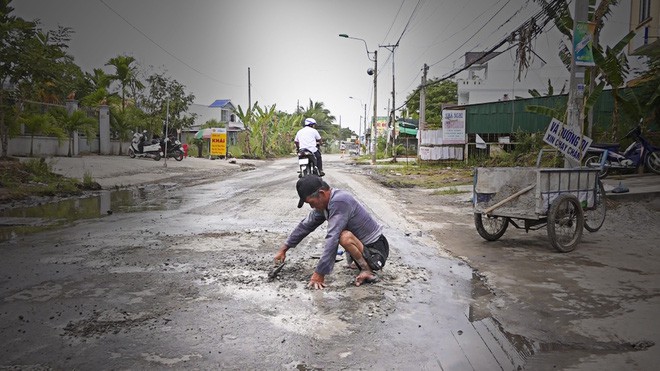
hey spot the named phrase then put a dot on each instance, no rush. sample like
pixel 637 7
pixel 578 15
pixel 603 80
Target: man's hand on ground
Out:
pixel 280 256
pixel 317 281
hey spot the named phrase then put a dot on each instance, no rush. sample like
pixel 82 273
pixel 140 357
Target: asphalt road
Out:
pixel 177 278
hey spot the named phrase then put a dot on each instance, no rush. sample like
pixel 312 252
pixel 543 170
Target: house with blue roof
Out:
pixel 221 110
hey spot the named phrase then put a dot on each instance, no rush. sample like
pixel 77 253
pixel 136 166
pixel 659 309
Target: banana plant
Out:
pixel 611 63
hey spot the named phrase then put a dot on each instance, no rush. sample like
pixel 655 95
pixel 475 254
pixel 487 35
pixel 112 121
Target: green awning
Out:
pixel 408 131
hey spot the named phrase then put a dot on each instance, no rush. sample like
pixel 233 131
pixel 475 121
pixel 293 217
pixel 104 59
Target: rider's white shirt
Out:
pixel 307 137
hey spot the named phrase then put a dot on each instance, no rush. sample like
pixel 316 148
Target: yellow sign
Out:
pixel 219 143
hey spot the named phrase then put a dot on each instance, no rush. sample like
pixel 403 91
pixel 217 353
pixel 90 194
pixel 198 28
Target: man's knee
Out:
pixel 346 238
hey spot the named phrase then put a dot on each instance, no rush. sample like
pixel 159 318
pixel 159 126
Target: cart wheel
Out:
pixel 490 228
pixel 594 218
pixel 565 222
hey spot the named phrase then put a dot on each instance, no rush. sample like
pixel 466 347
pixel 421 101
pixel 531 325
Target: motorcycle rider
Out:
pixel 309 138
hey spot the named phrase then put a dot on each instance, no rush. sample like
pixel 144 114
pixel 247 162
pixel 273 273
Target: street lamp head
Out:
pixel 370 71
pixel 343 35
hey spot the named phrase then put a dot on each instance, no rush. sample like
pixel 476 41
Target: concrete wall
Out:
pixel 49 146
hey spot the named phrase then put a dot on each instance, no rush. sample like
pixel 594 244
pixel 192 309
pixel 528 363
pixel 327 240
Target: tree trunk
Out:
pixel 4 132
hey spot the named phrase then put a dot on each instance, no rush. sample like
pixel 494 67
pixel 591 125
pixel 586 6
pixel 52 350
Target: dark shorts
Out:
pixel 376 253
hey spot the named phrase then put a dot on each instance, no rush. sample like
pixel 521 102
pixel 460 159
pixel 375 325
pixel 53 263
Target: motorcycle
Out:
pixel 307 163
pixel 174 149
pixel 639 153
pixel 151 150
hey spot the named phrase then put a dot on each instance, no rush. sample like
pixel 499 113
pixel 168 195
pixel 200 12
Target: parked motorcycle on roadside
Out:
pixel 639 153
pixel 151 150
pixel 307 163
pixel 174 149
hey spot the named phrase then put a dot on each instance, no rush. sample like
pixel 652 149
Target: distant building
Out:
pixel 221 110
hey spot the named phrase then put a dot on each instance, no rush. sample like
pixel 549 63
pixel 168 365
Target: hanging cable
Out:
pixel 163 49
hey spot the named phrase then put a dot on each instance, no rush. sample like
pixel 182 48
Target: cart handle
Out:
pixel 524 190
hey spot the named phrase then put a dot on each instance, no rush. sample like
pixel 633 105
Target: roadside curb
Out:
pixel 632 196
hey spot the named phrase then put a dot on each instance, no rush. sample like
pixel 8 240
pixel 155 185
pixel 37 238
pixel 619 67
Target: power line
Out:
pixel 536 19
pixel 412 15
pixel 394 20
pixel 163 49
pixel 473 35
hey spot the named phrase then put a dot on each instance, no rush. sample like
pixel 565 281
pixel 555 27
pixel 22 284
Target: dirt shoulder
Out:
pixel 117 171
pixel 593 306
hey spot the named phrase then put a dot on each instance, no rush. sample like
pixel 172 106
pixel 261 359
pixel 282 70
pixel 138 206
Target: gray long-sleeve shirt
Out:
pixel 344 213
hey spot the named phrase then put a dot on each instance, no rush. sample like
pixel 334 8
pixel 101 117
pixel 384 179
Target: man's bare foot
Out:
pixel 352 266
pixel 365 277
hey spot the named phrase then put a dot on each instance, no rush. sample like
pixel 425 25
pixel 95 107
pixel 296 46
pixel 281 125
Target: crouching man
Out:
pixel 349 225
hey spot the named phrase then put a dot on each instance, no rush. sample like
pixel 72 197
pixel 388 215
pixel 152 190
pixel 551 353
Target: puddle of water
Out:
pixel 36 218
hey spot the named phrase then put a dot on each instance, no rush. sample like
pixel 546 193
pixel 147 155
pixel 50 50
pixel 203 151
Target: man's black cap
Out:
pixel 306 186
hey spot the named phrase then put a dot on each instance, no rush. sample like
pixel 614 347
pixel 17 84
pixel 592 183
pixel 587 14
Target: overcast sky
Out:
pixel 292 47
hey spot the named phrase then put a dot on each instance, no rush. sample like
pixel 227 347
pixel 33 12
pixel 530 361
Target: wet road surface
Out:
pixel 176 277
pixel 185 286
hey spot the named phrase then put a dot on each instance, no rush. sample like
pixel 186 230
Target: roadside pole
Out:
pixel 576 92
pixel 167 124
pixel 422 113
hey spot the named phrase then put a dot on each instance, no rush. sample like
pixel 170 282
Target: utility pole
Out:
pixel 365 120
pixel 392 48
pixel 249 91
pixel 373 72
pixel 576 92
pixel 422 108
pixel 373 119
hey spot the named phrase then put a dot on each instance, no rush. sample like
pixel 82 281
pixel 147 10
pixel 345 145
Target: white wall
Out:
pixel 49 146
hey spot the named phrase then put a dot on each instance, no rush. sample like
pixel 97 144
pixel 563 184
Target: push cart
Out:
pixel 565 200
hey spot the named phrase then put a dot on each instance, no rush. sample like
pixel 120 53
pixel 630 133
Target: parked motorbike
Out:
pixel 173 148
pixel 307 163
pixel 151 150
pixel 639 153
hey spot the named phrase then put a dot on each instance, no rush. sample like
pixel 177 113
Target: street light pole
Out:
pixel 360 122
pixel 373 72
pixel 393 113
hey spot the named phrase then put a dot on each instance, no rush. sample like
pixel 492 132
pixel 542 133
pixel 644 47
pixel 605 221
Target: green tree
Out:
pixel 99 84
pixel 123 122
pixel 166 94
pixel 15 37
pixel 324 120
pixel 269 132
pixel 437 93
pixel 37 123
pixel 213 123
pixel 126 74
pixel 76 122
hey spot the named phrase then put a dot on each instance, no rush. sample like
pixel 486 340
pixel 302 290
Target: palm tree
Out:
pixel 41 124
pixel 121 122
pixel 324 120
pixel 126 74
pixel 78 121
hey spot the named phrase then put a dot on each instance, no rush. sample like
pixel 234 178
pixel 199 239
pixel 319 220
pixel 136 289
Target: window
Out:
pixel 224 116
pixel 644 10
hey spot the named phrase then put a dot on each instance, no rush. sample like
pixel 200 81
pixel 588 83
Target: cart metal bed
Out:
pixel 565 200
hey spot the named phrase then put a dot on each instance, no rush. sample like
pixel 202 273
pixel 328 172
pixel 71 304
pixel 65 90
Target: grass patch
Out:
pixel 426 176
pixel 34 177
pixel 448 191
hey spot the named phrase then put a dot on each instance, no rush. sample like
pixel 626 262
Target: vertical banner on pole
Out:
pixel 583 43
